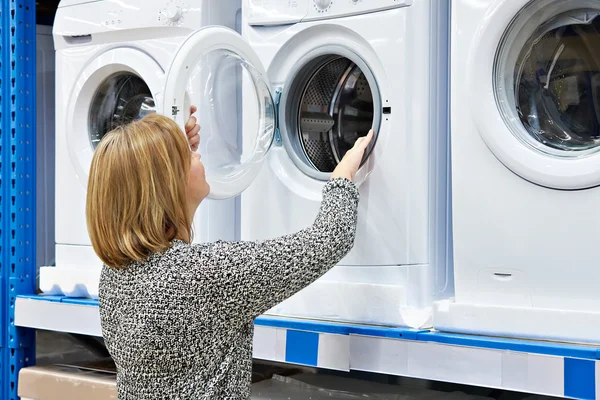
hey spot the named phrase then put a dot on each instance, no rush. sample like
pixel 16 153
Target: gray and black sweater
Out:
pixel 180 324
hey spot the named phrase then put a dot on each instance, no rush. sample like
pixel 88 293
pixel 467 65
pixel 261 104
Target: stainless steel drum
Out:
pixel 334 109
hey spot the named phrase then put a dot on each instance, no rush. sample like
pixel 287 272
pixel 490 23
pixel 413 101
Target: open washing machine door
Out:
pixel 216 70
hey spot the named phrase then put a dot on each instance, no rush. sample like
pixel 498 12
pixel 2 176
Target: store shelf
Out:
pixel 60 314
pixel 527 366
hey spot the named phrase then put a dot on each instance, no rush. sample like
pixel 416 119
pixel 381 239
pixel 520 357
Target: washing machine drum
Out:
pixel 334 108
pixel 557 88
pixel 120 99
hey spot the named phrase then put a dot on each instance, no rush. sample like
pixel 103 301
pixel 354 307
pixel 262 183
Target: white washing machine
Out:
pixel 336 69
pixel 111 63
pixel 526 168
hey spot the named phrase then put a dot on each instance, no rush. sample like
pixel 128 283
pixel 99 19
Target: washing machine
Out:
pixel 525 135
pixel 337 69
pixel 112 59
pixel 315 75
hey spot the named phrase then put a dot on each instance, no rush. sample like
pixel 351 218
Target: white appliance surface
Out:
pixel 319 67
pixel 102 46
pixel 525 104
pixel 398 262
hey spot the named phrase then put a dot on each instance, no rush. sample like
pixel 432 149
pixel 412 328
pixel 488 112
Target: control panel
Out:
pixel 325 9
pixel 111 15
pixel 170 13
pixel 276 12
pixel 280 12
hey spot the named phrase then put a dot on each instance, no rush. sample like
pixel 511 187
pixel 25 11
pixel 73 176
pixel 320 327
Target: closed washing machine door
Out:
pixel 117 87
pixel 536 81
pixel 216 70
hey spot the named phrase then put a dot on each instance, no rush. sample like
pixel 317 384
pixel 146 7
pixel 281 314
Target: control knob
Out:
pixel 173 12
pixel 322 5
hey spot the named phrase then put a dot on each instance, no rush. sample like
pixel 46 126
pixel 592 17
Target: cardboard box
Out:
pixel 94 381
pixel 68 382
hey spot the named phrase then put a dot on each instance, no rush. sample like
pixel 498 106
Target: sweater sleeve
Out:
pixel 254 276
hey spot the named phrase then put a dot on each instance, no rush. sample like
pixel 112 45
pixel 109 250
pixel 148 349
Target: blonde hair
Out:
pixel 137 190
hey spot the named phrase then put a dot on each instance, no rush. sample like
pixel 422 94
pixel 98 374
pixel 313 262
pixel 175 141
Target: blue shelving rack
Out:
pixel 17 184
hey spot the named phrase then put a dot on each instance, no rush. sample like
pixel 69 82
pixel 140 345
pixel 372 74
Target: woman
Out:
pixel 177 318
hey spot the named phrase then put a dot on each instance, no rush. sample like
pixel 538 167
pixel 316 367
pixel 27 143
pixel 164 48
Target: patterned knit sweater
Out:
pixel 180 324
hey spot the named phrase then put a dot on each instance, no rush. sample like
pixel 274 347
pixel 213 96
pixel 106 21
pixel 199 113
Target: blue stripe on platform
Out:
pixel 302 347
pixel 580 378
pixel 337 327
pixel 524 346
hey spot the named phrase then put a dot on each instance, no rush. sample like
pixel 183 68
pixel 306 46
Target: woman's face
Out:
pixel 198 188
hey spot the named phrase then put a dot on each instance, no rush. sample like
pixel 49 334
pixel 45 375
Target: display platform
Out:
pixel 554 369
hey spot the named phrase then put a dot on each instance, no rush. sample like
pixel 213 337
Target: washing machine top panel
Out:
pixel 68 3
pixel 274 12
pixel 124 3
pixel 143 19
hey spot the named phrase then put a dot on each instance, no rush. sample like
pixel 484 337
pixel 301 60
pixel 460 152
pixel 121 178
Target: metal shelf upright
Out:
pixel 17 184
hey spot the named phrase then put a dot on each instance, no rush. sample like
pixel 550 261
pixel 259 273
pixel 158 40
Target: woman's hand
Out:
pixel 192 130
pixel 351 160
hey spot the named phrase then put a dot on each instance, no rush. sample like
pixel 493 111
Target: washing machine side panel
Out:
pixel 515 243
pixel 466 145
pixel 70 194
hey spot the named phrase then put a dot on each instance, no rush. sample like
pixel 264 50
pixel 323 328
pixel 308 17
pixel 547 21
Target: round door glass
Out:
pixel 548 89
pixel 120 99
pixel 236 114
pixel 332 102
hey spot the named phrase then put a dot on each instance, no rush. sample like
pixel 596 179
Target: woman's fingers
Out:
pixel 194 142
pixel 193 131
pixel 190 124
pixel 366 139
pixel 362 143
